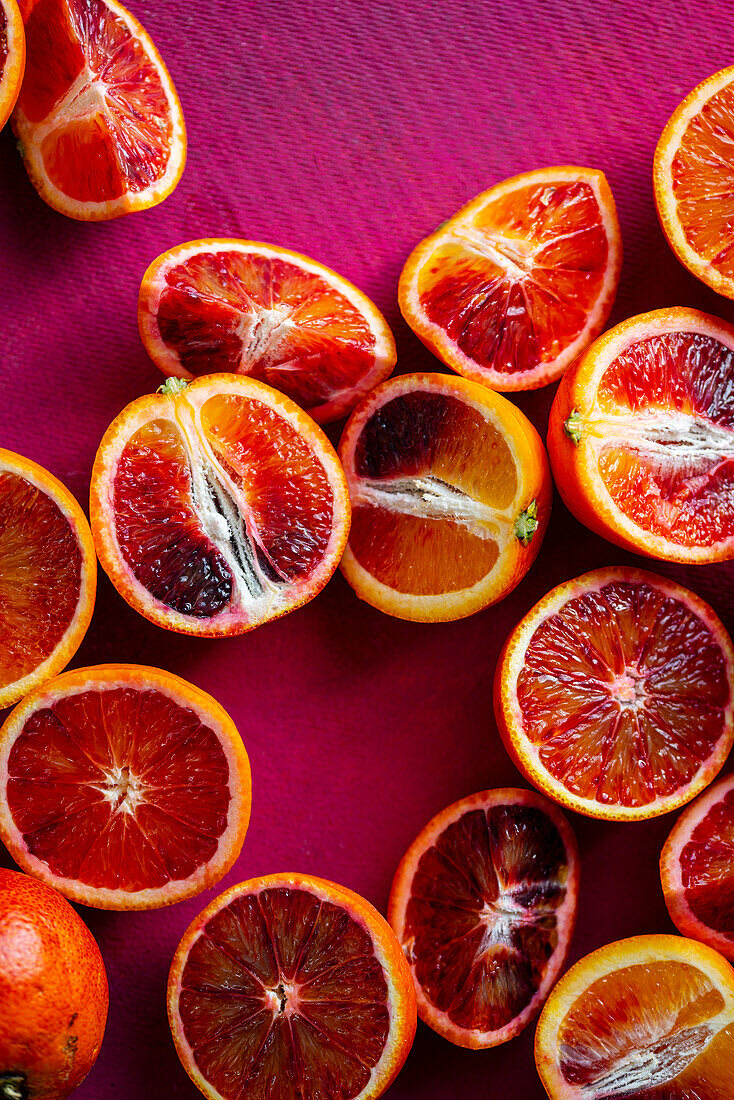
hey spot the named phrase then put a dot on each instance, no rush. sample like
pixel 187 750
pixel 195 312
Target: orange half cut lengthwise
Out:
pixel 123 787
pixel 217 506
pixel 641 436
pixel 614 694
pixel 651 1016
pixel 48 576
pixel 12 56
pixel 510 289
pixel 484 905
pixel 451 494
pixel 98 120
pixel 292 987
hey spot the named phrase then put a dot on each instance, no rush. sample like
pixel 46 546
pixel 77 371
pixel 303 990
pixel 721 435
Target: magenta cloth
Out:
pixel 348 131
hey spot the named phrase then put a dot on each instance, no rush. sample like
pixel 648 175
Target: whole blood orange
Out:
pixel 694 186
pixel 288 986
pixel 251 308
pixel 48 576
pixel 484 904
pixel 217 506
pixel 510 289
pixel 697 869
pixel 649 1017
pixel 98 120
pixel 12 56
pixel 53 992
pixel 614 694
pixel 124 787
pixel 451 495
pixel 641 436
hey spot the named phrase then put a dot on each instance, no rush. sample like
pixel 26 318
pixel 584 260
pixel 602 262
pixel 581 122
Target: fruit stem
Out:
pixel 526 523
pixel 173 386
pixel 573 427
pixel 13 1086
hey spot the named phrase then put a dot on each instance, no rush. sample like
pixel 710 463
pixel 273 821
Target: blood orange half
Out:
pixel 123 787
pixel 697 869
pixel 484 904
pixel 98 120
pixel 510 289
pixel 48 576
pixel 291 987
pixel 641 436
pixel 217 506
pixel 649 1017
pixel 614 694
pixel 258 310
pixel 451 496
pixel 12 56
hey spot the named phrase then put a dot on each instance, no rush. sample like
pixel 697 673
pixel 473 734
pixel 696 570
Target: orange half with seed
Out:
pixel 12 56
pixel 451 493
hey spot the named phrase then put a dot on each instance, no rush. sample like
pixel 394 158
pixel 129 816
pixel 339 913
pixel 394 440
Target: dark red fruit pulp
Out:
pixel 707 867
pixel 482 917
pixel 3 41
pixel 402 438
pixel 282 996
pixel 120 788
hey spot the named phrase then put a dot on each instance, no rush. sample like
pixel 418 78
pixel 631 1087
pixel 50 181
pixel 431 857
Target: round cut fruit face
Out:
pixel 268 313
pixel 228 506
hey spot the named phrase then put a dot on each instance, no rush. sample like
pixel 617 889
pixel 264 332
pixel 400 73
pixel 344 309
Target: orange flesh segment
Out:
pixel 707 867
pixel 482 915
pixel 417 446
pixel 667 436
pixel 623 691
pixel 702 172
pixel 3 41
pixel 268 318
pixel 646 1031
pixel 282 994
pixel 515 288
pixel 40 576
pixel 121 789
pixel 91 83
pixel 282 512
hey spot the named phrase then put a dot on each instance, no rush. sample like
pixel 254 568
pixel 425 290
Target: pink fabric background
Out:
pixel 347 131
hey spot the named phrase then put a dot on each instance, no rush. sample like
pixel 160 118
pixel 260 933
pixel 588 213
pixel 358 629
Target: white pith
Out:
pixel 428 497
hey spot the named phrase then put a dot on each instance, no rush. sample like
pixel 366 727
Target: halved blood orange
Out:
pixel 12 56
pixel 288 986
pixel 484 904
pixel 510 289
pixel 48 576
pixel 451 495
pixel 694 181
pixel 697 869
pixel 124 787
pixel 614 694
pixel 649 1017
pixel 217 506
pixel 98 120
pixel 641 436
pixel 255 309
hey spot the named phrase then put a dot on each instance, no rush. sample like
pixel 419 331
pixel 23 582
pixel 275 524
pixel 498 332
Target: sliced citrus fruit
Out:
pixel 124 787
pixel 217 506
pixel 510 289
pixel 12 56
pixel 694 184
pixel 484 904
pixel 258 310
pixel 697 869
pixel 641 436
pixel 651 1016
pixel 451 494
pixel 288 986
pixel 98 120
pixel 614 694
pixel 48 576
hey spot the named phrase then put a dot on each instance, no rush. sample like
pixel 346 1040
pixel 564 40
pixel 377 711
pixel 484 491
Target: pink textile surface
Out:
pixel 347 131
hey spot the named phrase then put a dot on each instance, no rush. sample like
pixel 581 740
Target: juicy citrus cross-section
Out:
pixel 12 56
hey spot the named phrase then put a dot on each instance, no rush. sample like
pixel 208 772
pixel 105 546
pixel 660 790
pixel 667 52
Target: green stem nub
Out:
pixel 526 523
pixel 574 427
pixel 173 386
pixel 13 1086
